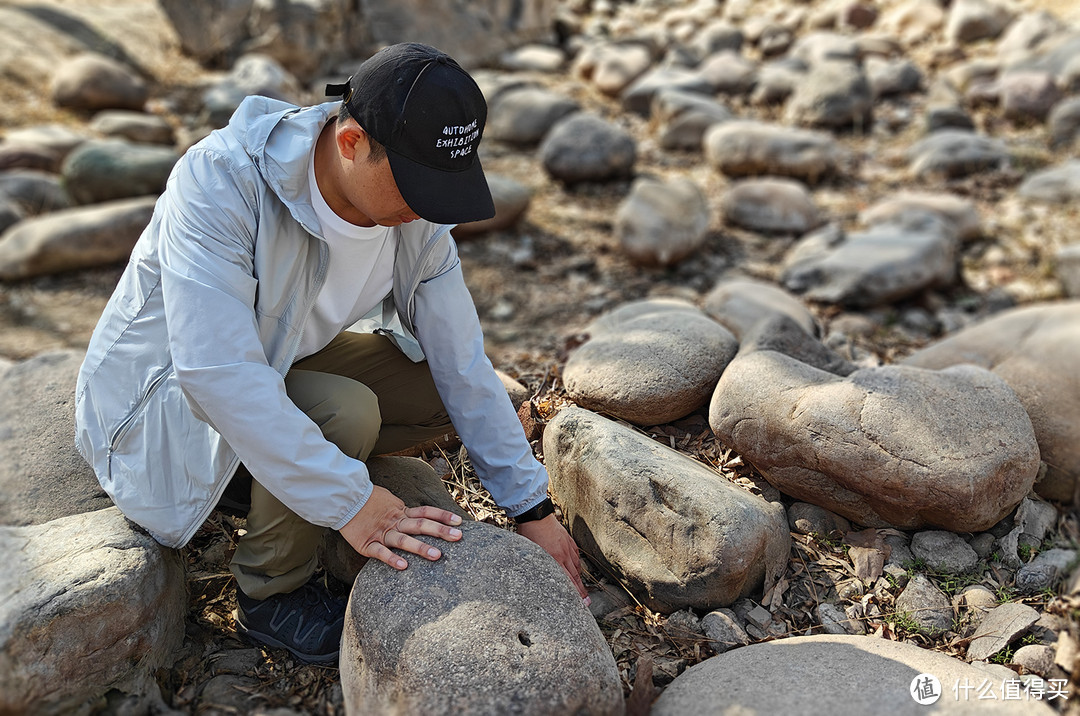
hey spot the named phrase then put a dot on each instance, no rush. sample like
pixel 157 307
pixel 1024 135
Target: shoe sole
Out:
pixel 320 659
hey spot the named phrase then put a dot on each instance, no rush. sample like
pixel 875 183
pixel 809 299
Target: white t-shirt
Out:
pixel 359 275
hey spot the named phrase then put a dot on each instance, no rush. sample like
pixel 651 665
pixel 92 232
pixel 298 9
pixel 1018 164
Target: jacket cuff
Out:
pixel 527 505
pixel 352 511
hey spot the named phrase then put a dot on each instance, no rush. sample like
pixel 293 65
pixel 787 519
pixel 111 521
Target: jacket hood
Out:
pixel 279 137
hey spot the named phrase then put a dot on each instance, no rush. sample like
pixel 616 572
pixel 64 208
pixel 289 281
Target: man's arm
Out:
pixel 449 332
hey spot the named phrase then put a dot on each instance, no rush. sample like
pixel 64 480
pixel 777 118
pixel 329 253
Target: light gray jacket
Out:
pixel 183 378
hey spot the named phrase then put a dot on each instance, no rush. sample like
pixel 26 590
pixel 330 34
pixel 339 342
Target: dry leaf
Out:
pixel 868 553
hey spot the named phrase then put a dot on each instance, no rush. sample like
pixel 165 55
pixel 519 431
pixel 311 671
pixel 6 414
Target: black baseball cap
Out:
pixel 429 114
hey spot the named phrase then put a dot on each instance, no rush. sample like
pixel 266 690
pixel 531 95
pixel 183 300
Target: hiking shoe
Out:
pixel 307 622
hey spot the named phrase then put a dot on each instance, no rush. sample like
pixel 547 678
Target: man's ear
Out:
pixel 352 141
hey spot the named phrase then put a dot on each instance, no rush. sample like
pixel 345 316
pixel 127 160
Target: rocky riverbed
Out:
pixel 741 250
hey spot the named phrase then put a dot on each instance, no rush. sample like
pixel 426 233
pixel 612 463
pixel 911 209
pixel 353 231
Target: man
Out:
pixel 224 348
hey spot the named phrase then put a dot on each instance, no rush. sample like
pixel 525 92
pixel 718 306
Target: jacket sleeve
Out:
pixel 449 332
pixel 206 250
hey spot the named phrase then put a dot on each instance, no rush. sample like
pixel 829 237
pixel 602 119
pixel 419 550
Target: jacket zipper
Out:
pixel 122 431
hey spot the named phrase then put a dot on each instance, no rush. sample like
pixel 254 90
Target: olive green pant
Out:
pixel 368 398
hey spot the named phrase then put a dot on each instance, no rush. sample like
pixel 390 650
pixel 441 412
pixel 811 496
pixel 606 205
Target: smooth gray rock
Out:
pixel 655 368
pixel 616 321
pixel 717 36
pixel 252 74
pixel 1028 96
pixel 208 29
pixel 770 206
pixel 954 153
pixel 776 81
pixel 639 95
pixel 108 169
pixel 91 81
pixel 533 58
pixel 1044 571
pixel 999 628
pixel 82 237
pixel 739 304
pixel 833 94
pixel 57 138
pixel 889 78
pixel 883 446
pixel 926 605
pixel 728 72
pixel 1064 122
pixel 42 475
pixel 781 334
pixel 312 37
pixel 983 544
pixel 524 115
pixel 10 213
pixel 91 605
pixel 613 66
pixel 971 20
pixel 881 265
pixel 1067 269
pixel 944 551
pixel 685 117
pixel 723 630
pixel 877 679
pixel 1034 350
pixel 677 533
pixel 29 157
pixel 1025 34
pixel 662 221
pixel 833 620
pixel 958 211
pixel 941 117
pixel 501 609
pixel 34 192
pixel 585 147
pixel 818 48
pixel 807 519
pixel 1056 185
pixel 136 127
pixel 1035 658
pixel 511 200
pixel 748 148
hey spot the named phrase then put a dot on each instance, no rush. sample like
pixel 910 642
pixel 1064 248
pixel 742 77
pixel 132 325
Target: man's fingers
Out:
pixel 400 540
pixel 432 528
pixel 433 513
pixel 379 551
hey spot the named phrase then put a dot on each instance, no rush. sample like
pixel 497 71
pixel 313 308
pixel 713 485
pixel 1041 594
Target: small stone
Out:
pixel 1035 658
pixel 954 153
pixel 1067 269
pixel 661 222
pixel 1057 185
pixel 584 147
pixel 999 628
pixel 834 620
pixel 746 148
pixel 103 170
pixel 524 115
pixel 759 616
pixel 945 552
pixel 1064 122
pixel 926 605
pixel 983 544
pixel 805 518
pixel 533 58
pixel 1028 97
pixel 511 200
pixel 971 20
pixel 133 126
pixel 1044 571
pixel 683 625
pixel 777 206
pixel 723 630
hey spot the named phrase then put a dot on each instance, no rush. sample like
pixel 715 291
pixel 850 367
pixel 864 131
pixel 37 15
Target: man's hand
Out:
pixel 553 537
pixel 384 522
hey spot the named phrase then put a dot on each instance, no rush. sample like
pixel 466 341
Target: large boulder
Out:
pixel 883 264
pixel 828 674
pixel 677 533
pixel 83 237
pixel 92 81
pixel 661 222
pixel 42 476
pixel 208 29
pixel 656 366
pixel 493 627
pixel 91 605
pixel 748 148
pixel 107 169
pixel 585 147
pixel 470 32
pixel 892 445
pixel 1033 349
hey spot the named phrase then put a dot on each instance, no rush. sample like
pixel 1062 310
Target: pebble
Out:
pixel 584 147
pixel 945 552
pixel 926 605
pixel 723 630
pixel 770 206
pixel 661 222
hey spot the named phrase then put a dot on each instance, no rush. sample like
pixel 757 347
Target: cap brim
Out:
pixel 443 197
